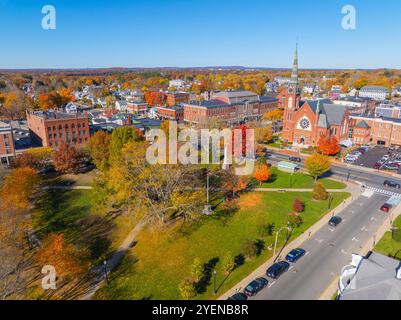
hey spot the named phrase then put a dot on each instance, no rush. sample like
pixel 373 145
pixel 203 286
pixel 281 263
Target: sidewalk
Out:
pixel 347 189
pixel 297 242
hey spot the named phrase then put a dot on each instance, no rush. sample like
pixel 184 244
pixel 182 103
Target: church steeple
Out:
pixel 294 75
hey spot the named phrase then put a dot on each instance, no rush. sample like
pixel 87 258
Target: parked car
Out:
pixel 392 184
pixel 385 157
pixel 335 221
pixel 295 159
pixel 386 207
pixel 295 255
pixel 392 148
pixel 238 296
pixel 255 286
pixel 277 269
pixel 391 166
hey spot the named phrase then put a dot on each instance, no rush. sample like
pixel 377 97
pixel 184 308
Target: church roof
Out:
pixel 334 112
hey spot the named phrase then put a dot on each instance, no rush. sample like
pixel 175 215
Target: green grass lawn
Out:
pixel 159 262
pixel 71 212
pixel 387 245
pixel 283 180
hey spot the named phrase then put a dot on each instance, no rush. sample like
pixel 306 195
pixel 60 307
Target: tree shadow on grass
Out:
pixel 204 282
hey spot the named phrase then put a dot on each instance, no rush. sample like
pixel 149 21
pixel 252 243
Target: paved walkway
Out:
pixel 69 187
pixel 112 263
pixel 348 189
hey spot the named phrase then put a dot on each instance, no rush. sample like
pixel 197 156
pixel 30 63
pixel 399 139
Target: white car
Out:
pixel 385 157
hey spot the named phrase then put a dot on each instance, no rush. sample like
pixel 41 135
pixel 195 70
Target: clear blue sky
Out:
pixel 155 33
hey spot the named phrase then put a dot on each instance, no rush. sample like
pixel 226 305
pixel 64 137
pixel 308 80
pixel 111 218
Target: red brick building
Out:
pixel 51 129
pixel 178 97
pixel 231 107
pixel 7 148
pixel 171 113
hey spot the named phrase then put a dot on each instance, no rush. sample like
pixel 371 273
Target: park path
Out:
pixel 112 262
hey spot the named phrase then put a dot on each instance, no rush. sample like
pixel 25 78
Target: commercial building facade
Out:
pixel 51 129
pixel 231 107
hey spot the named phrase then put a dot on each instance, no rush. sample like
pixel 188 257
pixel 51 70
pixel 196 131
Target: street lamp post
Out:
pixel 214 273
pixel 105 272
pixel 207 210
pixel 275 242
pixel 330 200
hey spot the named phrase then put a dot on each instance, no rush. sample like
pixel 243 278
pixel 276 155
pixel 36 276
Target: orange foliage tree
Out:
pixel 234 183
pixel 66 159
pixel 328 145
pixel 18 188
pixel 155 98
pixel 262 173
pixel 63 256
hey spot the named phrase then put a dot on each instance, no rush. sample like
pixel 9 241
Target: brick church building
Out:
pixel 306 120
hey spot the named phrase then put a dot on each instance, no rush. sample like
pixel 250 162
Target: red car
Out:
pixel 386 207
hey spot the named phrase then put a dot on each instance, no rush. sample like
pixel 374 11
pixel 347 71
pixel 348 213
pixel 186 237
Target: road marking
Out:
pixel 344 220
pixel 344 252
pixel 332 229
pixel 352 211
pixel 292 267
pixel 355 239
pixel 373 219
pixel 319 240
pixel 271 284
pixel 364 229
pixel 306 253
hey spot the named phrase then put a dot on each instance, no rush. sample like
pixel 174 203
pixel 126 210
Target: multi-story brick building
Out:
pixel 171 113
pixel 177 97
pixel 51 129
pixel 7 149
pixel 231 107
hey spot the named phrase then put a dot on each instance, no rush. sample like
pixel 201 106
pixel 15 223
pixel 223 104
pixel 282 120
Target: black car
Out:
pixel 335 221
pixel 295 255
pixel 392 184
pixel 295 159
pixel 255 286
pixel 238 296
pixel 277 269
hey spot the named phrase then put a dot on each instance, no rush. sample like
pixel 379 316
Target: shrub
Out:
pixel 294 220
pixel 228 263
pixel 187 289
pixel 298 206
pixel 197 269
pixel 319 192
pixel 253 248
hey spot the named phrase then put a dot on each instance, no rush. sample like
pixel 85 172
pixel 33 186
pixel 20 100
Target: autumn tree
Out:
pixel 274 115
pixel 233 183
pixel 328 145
pixel 298 206
pixel 262 173
pixel 263 135
pixel 18 188
pixel 68 260
pixel 121 136
pixel 98 146
pixel 317 164
pixel 37 158
pixel 67 159
pixel 319 192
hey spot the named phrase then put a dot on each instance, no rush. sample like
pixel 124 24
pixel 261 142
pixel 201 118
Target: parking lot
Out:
pixel 377 157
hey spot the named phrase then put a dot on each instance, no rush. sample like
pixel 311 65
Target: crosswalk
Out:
pixel 385 192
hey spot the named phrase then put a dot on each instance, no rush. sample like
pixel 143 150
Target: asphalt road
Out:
pixel 343 173
pixel 327 252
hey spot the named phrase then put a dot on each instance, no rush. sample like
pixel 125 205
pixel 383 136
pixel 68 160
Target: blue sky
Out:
pixel 155 33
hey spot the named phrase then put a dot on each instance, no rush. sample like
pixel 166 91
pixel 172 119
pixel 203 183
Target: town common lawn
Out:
pixel 71 212
pixel 159 261
pixel 387 245
pixel 300 180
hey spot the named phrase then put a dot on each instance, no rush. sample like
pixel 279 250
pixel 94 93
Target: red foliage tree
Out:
pixel 298 206
pixel 155 98
pixel 328 145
